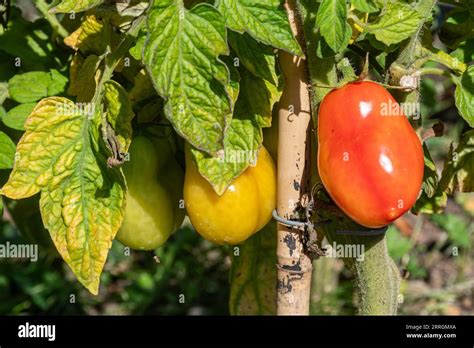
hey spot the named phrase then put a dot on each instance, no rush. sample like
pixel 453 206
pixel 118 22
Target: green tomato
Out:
pixel 155 188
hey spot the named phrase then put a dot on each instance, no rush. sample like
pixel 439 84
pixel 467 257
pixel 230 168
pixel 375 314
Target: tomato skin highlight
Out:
pixel 370 159
pixel 244 208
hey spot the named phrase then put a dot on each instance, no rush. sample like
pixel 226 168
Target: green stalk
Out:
pixel 434 71
pixel 378 279
pixel 43 7
pixel 113 58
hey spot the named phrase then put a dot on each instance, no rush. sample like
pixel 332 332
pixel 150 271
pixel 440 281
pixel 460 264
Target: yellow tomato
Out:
pixel 244 208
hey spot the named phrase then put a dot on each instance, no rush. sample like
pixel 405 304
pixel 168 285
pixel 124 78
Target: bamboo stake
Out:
pixel 294 266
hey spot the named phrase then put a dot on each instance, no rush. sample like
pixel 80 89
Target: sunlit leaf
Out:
pixel 181 54
pixel 82 200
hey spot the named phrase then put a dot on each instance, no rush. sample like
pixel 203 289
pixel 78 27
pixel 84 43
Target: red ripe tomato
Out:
pixel 369 157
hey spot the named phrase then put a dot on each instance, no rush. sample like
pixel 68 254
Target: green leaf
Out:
pixel 322 48
pixel 457 228
pixel 253 275
pixel 242 141
pixel 256 99
pixel 234 74
pixel 253 110
pixel 430 205
pixel 16 117
pixel 28 43
pixel 398 23
pixel 264 20
pixel 32 86
pixel 465 51
pixel 137 49
pixel 256 57
pixel 457 27
pixel 119 113
pixel 57 84
pixel 325 74
pixel 82 200
pixel 181 55
pixel 333 26
pixel 430 176
pixel 464 95
pixel 62 6
pixel 458 172
pixel 398 245
pixel 29 87
pixel 430 201
pixel 7 151
pixel 4 94
pixel 366 5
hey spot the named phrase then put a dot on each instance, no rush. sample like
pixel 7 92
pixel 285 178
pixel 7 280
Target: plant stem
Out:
pixel 357 20
pixel 445 59
pixel 434 71
pixel 378 279
pixel 377 276
pixel 113 58
pixel 43 7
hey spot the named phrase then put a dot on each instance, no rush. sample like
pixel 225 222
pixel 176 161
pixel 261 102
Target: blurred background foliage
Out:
pixel 189 276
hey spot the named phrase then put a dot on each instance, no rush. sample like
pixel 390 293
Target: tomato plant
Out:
pixel 121 118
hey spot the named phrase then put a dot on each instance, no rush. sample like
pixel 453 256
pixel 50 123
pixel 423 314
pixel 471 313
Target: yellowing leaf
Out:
pixel 89 37
pixel 84 77
pixel 62 6
pixel 82 200
pixel 142 87
pixel 458 172
pixel 119 113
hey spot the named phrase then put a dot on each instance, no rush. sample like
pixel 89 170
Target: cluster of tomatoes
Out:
pixel 157 188
pixel 371 164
